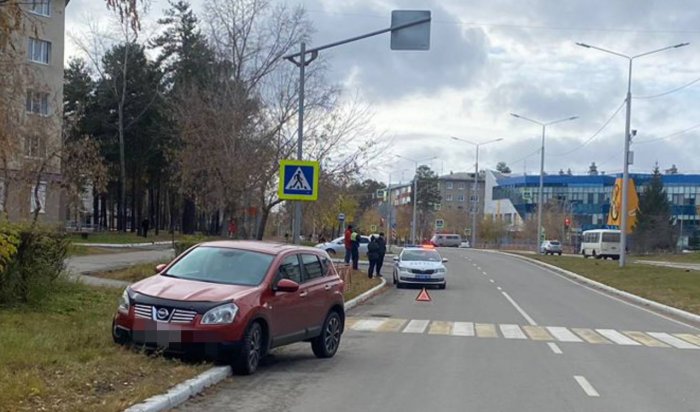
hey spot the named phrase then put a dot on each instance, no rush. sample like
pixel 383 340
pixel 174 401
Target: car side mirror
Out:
pixel 159 268
pixel 286 285
pixel 396 258
pixel 444 260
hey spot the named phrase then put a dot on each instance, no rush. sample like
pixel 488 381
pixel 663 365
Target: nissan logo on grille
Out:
pixel 162 314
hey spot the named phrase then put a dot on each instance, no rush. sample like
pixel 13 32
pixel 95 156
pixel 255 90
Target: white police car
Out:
pixel 420 266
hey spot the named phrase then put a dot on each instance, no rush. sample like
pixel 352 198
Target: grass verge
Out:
pixel 692 257
pixel 76 250
pixel 359 284
pixel 674 287
pixel 121 238
pixel 60 356
pixel 131 274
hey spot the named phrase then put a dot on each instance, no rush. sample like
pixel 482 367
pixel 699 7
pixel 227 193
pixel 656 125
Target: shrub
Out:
pixel 28 274
pixel 187 242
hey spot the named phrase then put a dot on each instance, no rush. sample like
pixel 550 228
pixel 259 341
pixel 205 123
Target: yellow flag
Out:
pixel 615 216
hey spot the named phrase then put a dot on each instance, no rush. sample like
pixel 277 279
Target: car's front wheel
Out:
pixel 326 344
pixel 251 351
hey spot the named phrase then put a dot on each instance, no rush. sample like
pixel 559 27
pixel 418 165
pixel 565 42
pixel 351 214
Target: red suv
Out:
pixel 236 300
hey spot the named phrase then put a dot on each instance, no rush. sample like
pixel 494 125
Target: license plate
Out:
pixel 423 276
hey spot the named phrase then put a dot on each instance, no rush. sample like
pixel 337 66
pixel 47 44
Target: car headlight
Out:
pixel 220 314
pixel 404 269
pixel 124 302
pixel 440 270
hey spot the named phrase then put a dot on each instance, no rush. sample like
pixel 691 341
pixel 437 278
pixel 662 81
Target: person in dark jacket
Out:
pixel 355 242
pixel 372 255
pixel 382 252
pixel 348 244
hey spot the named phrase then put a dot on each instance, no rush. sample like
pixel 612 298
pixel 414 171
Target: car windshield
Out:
pixel 420 255
pixel 222 265
pixel 554 243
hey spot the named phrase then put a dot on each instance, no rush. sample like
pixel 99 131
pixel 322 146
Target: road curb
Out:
pixel 638 300
pixel 181 392
pixel 124 245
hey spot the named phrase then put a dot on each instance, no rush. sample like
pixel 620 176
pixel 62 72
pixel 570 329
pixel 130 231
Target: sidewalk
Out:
pixel 79 267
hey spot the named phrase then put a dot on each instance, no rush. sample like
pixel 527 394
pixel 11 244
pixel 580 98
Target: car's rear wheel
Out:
pixel 251 351
pixel 326 344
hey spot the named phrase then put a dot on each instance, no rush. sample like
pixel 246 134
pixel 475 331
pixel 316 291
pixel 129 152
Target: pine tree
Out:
pixel 653 230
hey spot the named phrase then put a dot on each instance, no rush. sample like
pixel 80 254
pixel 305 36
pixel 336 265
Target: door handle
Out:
pixel 303 293
pixel 327 287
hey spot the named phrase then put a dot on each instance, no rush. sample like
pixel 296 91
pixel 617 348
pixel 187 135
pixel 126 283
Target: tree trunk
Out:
pixel 188 216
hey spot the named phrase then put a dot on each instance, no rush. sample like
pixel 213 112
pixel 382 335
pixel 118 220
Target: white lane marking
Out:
pixel 416 326
pixel 499 288
pixel 672 340
pixel 553 346
pixel 617 337
pixel 368 325
pixel 563 334
pixel 463 329
pixel 586 386
pixel 608 295
pixel 519 309
pixel 485 273
pixel 491 280
pixel 512 332
pixel 478 268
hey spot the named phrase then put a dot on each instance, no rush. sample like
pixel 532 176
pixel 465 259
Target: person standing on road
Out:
pixel 355 239
pixel 372 255
pixel 348 244
pixel 382 252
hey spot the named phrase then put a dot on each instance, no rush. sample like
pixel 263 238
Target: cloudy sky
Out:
pixel 490 58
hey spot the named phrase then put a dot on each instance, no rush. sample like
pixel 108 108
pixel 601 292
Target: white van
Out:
pixel 449 239
pixel 601 244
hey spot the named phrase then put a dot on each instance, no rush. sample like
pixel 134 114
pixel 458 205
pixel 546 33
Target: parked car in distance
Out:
pixel 550 247
pixel 448 240
pixel 420 265
pixel 234 301
pixel 336 247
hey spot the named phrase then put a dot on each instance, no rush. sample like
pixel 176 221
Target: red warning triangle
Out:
pixel 423 296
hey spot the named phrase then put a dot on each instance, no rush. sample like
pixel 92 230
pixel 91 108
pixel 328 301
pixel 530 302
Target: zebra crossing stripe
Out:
pixel 590 336
pixel 645 339
pixel 617 337
pixel 440 328
pixel 463 329
pixel 537 333
pixel 563 334
pixel 695 340
pixel 512 332
pixel 485 330
pixel 392 325
pixel 673 341
pixel 368 325
pixel 416 326
pixel 350 322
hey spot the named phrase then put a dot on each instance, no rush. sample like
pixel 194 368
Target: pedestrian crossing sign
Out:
pixel 298 180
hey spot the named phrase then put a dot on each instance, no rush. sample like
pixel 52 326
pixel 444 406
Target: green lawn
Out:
pixel 60 356
pixel 692 257
pixel 122 238
pixel 674 287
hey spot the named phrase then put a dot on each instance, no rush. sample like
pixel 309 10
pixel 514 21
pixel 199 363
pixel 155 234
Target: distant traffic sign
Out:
pixel 298 180
pixel 439 223
pixel 341 216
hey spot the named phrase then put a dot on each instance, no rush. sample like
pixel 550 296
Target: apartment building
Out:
pixel 33 97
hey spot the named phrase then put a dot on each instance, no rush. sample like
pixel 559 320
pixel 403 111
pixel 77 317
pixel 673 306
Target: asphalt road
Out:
pixel 504 336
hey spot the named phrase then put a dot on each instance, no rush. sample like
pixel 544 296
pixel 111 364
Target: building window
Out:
pixel 41 7
pixel 37 102
pixel 449 185
pixel 38 192
pixel 39 51
pixel 448 197
pixel 34 146
pixel 460 198
pixel 461 186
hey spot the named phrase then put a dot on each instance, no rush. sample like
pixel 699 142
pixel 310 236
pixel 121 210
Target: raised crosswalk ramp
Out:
pixel 525 332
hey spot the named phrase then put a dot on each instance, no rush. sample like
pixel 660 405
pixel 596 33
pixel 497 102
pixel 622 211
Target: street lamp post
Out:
pixel 626 156
pixel 475 188
pixel 414 193
pixel 540 197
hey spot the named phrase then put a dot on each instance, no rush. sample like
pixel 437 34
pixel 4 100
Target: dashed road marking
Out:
pixel 586 386
pixel 537 333
pixel 463 329
pixel 440 328
pixel 519 309
pixel 695 340
pixel 553 346
pixel 491 280
pixel 392 325
pixel 499 288
pixel 485 330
